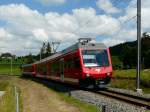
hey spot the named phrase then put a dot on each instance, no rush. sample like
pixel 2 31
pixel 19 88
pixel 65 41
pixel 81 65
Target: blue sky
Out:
pixel 36 21
pixel 66 7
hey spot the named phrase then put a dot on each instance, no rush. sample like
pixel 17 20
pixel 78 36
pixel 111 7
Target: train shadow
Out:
pixel 54 85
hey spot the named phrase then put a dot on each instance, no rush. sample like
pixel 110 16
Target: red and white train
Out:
pixel 85 64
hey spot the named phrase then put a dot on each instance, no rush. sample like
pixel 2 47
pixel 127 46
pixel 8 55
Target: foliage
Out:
pixel 48 50
pixel 127 53
pixel 116 62
pixel 29 59
pixel 45 50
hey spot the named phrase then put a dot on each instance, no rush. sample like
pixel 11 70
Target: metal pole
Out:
pixel 138 46
pixel 17 99
pixel 11 66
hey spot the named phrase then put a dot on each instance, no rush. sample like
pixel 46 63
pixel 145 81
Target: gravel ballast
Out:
pixel 112 105
pixel 130 92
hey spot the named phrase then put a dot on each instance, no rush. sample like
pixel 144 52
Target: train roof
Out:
pixel 74 47
pixel 26 65
pixel 84 46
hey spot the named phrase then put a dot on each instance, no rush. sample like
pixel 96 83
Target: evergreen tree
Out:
pixel 127 53
pixel 29 59
pixel 43 51
pixel 48 49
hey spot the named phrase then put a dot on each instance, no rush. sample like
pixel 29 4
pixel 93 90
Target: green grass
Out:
pixel 7 101
pixel 6 69
pixel 124 73
pixel 131 83
pixel 84 107
pixel 145 79
pixel 123 83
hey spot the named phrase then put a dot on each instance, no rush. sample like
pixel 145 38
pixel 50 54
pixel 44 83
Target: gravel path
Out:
pixel 111 104
pixel 38 98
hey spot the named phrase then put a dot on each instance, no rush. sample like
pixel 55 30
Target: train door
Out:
pixel 62 69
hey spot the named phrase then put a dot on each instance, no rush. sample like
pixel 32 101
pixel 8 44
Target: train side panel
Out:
pixel 29 70
pixel 66 68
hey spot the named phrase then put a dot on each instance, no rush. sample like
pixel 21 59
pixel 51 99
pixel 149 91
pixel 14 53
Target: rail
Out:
pixel 135 100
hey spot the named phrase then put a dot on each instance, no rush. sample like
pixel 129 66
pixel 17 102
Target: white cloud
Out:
pixel 25 25
pixel 112 41
pixel 3 33
pixel 40 34
pixel 29 28
pixel 107 6
pixel 131 11
pixel 50 2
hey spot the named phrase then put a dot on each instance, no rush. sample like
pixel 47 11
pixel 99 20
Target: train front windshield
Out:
pixel 95 58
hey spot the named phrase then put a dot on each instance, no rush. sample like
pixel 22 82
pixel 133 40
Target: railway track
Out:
pixel 134 100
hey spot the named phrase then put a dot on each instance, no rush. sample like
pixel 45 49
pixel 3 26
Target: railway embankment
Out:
pixel 38 95
pixel 35 96
pixel 102 102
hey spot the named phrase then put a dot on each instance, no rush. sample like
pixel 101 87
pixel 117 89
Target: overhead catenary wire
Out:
pixel 121 24
pixel 106 24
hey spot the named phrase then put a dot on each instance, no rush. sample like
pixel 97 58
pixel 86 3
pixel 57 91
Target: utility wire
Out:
pixel 121 24
pixel 128 20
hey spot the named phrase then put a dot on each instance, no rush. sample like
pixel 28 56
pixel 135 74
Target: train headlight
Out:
pixel 108 74
pixel 87 75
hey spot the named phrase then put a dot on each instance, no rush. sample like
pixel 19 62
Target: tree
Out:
pixel 48 49
pixel 29 59
pixel 116 62
pixel 43 51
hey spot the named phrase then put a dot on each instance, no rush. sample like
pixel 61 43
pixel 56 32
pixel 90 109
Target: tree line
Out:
pixel 45 51
pixel 124 56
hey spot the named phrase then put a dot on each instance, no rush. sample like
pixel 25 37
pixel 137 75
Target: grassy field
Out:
pixel 124 73
pixel 130 79
pixel 7 101
pixel 6 69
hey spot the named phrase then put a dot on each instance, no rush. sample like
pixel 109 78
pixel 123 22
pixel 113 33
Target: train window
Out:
pixel 93 58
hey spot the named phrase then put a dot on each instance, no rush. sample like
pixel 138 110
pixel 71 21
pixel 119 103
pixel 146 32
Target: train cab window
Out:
pixel 95 58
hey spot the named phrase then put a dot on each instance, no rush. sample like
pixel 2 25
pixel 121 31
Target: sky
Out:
pixel 26 24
